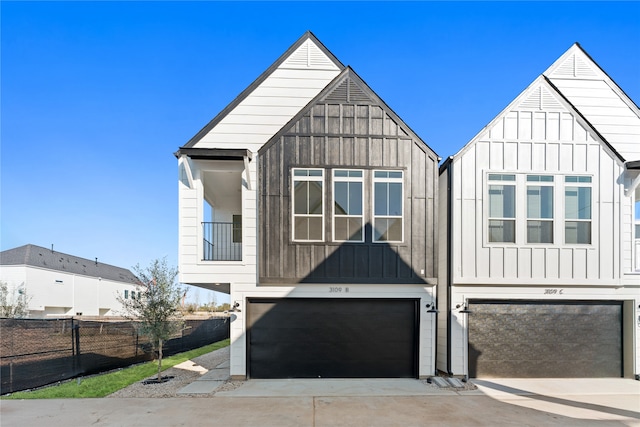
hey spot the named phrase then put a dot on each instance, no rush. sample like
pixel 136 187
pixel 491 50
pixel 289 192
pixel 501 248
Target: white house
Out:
pixel 60 284
pixel 539 269
pixel 313 205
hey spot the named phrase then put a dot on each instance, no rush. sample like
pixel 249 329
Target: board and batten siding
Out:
pixel 333 134
pixel 536 142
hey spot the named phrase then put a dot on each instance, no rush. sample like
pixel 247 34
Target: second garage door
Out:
pixel 332 338
pixel 542 339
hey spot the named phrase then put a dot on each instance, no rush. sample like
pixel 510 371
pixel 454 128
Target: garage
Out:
pixel 332 338
pixel 544 339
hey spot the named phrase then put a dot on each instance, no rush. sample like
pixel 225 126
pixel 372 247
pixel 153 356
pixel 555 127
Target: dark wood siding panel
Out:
pixel 418 242
pixel 333 157
pixel 375 152
pixel 335 135
pixel 318 122
pixel 418 173
pixel 362 120
pixel 318 145
pixel 304 150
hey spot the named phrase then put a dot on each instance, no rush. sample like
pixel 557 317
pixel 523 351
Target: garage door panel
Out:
pixel 545 339
pixel 332 338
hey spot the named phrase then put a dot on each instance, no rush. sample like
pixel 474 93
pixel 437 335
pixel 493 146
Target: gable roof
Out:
pixel 37 256
pixel 306 54
pixel 348 86
pixel 598 99
pixel 545 94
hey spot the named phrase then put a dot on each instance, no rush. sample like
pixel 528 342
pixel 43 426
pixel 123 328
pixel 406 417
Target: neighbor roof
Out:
pixel 37 256
pixel 598 99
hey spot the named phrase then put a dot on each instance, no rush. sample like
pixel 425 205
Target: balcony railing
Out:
pixel 222 241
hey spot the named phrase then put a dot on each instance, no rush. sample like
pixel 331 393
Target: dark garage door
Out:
pixel 332 338
pixel 541 339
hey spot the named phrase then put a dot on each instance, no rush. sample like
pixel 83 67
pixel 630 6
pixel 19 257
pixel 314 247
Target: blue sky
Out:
pixel 96 96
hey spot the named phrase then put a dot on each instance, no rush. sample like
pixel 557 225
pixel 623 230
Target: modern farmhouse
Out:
pixel 59 284
pixel 313 205
pixel 539 266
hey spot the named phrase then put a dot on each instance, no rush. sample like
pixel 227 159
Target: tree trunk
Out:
pixel 160 360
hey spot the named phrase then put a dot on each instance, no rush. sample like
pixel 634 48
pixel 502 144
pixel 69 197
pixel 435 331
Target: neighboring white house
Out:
pixel 313 205
pixel 539 266
pixel 59 284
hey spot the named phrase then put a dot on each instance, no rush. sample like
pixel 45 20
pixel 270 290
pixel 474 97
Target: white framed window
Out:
pixel 388 195
pixel 577 209
pixel 539 209
pixel 348 202
pixel 307 204
pixel 502 208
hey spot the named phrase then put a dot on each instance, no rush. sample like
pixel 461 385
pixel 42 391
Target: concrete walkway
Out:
pixel 331 402
pixel 619 407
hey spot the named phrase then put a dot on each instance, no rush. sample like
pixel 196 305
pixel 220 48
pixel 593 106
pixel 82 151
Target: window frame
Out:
pixel 577 184
pixel 336 179
pixel 521 209
pixel 387 180
pixel 503 182
pixel 307 178
pixel 543 180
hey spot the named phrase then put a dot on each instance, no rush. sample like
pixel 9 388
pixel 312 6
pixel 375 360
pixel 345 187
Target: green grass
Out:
pixel 105 384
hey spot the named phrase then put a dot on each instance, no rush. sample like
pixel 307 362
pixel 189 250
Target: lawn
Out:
pixel 105 384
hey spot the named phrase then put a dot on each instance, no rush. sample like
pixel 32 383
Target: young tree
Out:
pixel 15 302
pixel 156 306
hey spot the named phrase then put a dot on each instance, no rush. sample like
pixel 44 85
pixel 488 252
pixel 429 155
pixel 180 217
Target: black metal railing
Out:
pixel 222 241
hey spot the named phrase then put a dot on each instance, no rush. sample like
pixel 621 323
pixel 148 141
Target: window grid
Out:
pixel 502 208
pixel 540 208
pixel 388 206
pixel 308 205
pixel 578 199
pixel 348 202
pixel 546 197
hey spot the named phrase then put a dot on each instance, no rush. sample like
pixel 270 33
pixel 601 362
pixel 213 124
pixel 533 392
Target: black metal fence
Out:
pixel 37 352
pixel 222 241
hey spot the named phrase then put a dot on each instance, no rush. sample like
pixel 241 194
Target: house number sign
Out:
pixel 337 289
pixel 553 291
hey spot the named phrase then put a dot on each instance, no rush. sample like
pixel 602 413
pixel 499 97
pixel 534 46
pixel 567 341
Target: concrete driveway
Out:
pixel 566 402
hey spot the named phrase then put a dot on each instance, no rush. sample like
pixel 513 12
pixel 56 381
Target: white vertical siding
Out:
pixel 538 142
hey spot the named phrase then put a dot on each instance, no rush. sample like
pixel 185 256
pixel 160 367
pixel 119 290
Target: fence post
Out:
pixel 75 336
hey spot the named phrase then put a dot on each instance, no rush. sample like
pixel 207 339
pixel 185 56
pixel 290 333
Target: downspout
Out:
pixel 449 260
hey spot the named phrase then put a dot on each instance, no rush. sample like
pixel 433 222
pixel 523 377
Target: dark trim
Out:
pixel 214 153
pixel 347 281
pixel 544 301
pixel 602 138
pixel 448 164
pixel 348 72
pixel 445 165
pixel 633 165
pixel 222 114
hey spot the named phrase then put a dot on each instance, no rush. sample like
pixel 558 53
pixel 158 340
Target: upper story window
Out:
pixel 308 209
pixel 539 209
pixel 348 219
pixel 502 208
pixel 577 209
pixel 530 209
pixel 388 206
